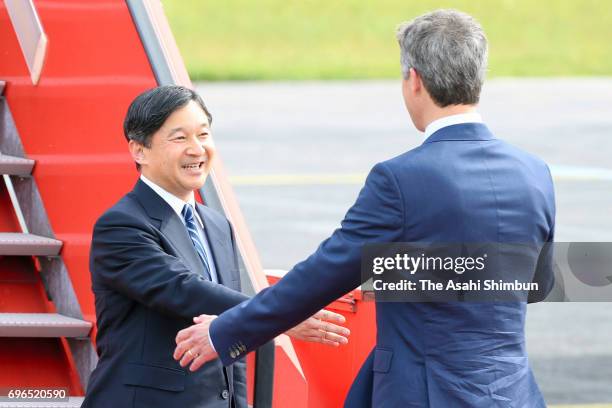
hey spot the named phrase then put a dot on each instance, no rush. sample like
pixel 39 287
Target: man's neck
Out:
pixel 436 112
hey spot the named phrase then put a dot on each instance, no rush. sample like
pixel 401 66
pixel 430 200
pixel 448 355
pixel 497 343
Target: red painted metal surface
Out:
pixel 36 363
pixel 21 290
pixel 330 371
pixel 8 220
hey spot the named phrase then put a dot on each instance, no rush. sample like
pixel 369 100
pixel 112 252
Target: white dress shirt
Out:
pixel 433 127
pixel 177 205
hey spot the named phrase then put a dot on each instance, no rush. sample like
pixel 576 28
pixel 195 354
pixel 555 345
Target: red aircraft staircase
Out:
pixel 41 322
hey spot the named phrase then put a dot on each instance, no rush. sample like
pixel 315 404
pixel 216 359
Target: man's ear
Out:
pixel 415 82
pixel 137 152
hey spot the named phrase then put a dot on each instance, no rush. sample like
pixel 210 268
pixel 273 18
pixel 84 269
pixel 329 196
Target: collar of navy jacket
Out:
pixel 461 132
pixel 171 226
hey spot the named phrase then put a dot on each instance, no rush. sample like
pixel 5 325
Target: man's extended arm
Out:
pixel 332 271
pixel 127 256
pixel 545 268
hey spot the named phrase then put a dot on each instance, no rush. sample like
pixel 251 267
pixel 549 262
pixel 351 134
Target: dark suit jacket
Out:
pixel 461 185
pixel 147 282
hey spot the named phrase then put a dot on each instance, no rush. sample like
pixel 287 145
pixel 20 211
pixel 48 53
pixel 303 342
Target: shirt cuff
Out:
pixel 212 346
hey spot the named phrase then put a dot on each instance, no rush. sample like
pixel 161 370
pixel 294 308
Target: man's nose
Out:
pixel 196 146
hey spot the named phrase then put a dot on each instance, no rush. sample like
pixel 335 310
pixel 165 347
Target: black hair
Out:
pixel 148 112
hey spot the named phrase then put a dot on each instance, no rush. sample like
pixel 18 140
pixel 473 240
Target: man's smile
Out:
pixel 194 166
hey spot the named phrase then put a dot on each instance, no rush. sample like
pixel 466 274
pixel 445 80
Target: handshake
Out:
pixel 194 346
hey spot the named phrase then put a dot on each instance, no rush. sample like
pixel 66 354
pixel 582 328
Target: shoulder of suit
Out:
pixel 403 159
pixel 526 157
pixel 127 206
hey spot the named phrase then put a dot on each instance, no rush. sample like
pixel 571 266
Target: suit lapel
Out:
pixel 171 225
pixel 218 242
pixel 175 230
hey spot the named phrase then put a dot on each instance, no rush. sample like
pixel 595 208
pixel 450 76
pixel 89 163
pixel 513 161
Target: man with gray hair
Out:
pixel 462 185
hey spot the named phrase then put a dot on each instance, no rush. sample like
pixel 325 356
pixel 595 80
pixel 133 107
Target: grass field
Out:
pixel 351 39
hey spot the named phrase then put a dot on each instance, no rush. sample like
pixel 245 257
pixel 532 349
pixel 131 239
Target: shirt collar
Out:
pixel 173 201
pixel 433 127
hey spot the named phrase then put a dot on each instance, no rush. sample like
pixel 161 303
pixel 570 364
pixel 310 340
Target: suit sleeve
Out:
pixel 127 256
pixel 545 274
pixel 334 269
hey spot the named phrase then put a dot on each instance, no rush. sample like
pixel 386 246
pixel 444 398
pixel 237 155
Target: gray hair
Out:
pixel 448 49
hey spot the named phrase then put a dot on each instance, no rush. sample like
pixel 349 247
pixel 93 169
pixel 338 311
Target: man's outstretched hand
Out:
pixel 322 328
pixel 193 346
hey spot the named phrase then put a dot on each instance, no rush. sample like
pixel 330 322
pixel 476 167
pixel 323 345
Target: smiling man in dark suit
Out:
pixel 462 185
pixel 159 259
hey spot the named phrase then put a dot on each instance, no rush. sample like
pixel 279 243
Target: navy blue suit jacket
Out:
pixel 148 284
pixel 461 185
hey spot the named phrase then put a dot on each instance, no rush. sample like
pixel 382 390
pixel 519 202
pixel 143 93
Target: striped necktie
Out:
pixel 190 223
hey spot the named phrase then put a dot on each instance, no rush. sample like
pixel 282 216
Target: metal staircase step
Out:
pixel 73 402
pixel 15 243
pixel 42 325
pixel 15 166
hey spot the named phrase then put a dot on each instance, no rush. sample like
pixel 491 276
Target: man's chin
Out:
pixel 198 184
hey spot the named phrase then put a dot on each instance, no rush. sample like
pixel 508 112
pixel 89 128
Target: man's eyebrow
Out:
pixel 203 124
pixel 173 131
pixel 180 128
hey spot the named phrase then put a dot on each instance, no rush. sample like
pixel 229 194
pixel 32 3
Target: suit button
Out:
pixel 225 394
